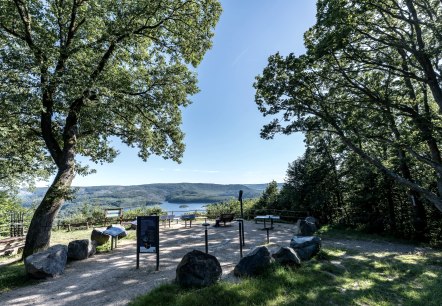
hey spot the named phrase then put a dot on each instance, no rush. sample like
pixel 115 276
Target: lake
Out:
pixel 174 208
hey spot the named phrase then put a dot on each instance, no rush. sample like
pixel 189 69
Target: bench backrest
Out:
pixel 188 217
pixel 167 217
pixel 227 217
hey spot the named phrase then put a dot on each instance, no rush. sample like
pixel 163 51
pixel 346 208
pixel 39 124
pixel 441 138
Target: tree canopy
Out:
pixel 76 73
pixel 371 76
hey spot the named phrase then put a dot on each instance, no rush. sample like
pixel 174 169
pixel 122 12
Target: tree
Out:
pixel 372 77
pixel 78 73
pixel 8 204
pixel 19 164
pixel 269 197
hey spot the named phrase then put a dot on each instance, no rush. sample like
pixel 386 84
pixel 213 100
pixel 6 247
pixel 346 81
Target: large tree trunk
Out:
pixel 39 233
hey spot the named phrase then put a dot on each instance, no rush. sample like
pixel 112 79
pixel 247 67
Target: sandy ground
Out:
pixel 112 278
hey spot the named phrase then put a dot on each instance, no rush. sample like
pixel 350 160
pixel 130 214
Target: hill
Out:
pixel 149 194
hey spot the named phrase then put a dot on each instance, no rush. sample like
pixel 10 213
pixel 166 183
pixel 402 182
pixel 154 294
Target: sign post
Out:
pixel 148 237
pixel 240 202
pixel 242 241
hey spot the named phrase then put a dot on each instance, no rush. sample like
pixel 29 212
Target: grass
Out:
pixel 335 277
pixel 14 275
pixel 352 234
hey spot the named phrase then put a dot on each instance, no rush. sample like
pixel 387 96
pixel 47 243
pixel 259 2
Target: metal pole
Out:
pixel 268 240
pixel 240 239
pixel 243 240
pixel 207 240
pixel 240 201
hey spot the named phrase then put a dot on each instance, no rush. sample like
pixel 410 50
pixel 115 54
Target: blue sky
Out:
pixel 222 125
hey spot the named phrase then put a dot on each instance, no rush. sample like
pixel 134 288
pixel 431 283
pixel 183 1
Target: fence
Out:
pixel 117 218
pixel 13 233
pixel 285 215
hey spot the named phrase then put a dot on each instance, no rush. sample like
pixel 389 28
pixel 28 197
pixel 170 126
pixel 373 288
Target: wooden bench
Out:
pixel 167 218
pixel 187 218
pixel 224 218
pixel 12 245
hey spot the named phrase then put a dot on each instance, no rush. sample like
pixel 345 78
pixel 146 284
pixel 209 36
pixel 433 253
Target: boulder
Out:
pixel 198 269
pixel 306 247
pixel 311 219
pixel 99 237
pixel 133 225
pixel 116 230
pixel 287 257
pixel 48 263
pixel 81 249
pixel 254 263
pixel 307 228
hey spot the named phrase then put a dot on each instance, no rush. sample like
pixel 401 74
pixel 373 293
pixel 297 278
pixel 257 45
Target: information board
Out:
pixel 148 237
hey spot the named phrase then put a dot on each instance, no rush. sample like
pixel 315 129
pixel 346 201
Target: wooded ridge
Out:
pixel 149 194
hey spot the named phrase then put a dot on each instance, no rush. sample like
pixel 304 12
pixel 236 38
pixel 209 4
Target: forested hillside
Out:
pixel 150 194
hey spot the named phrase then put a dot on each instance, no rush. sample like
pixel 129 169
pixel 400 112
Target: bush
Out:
pixel 8 205
pixel 231 207
pixel 143 211
pixel 95 214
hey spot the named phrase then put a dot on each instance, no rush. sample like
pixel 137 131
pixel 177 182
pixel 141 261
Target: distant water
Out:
pixel 174 208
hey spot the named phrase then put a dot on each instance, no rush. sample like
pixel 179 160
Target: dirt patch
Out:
pixel 112 278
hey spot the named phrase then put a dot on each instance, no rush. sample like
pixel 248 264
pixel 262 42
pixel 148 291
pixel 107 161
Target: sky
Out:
pixel 222 125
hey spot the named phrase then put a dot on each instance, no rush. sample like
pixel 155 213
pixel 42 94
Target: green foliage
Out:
pixel 143 211
pixel 95 214
pixel 13 276
pixel 336 277
pixel 77 74
pixel 228 207
pixel 84 213
pixel 269 198
pixel 369 79
pixel 368 97
pixel 123 70
pixel 149 194
pixel 8 204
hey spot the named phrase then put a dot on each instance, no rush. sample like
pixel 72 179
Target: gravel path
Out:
pixel 112 279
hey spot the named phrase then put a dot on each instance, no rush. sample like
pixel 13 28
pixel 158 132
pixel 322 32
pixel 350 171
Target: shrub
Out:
pixel 230 207
pixel 143 211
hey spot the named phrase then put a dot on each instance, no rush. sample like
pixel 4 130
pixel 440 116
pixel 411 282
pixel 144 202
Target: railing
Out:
pixel 69 226
pixel 13 233
pixel 285 215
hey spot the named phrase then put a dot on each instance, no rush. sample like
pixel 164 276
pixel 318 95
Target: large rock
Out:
pixel 307 227
pixel 287 257
pixel 254 263
pixel 81 249
pixel 198 269
pixel 306 247
pixel 48 263
pixel 312 220
pixel 99 237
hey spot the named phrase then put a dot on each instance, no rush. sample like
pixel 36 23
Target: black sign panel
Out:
pixel 148 236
